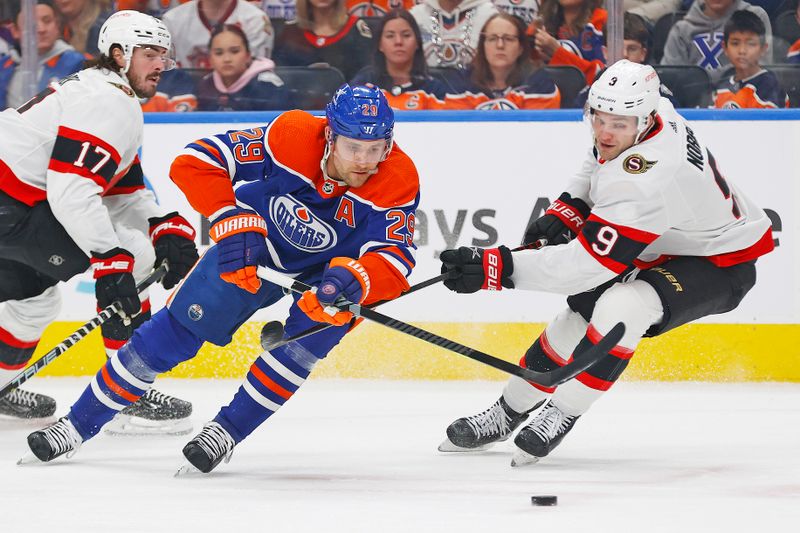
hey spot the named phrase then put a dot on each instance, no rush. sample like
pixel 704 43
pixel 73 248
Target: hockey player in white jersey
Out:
pixel 662 239
pixel 72 196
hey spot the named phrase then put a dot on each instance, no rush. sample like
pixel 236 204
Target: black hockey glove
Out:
pixel 114 280
pixel 560 223
pixel 173 241
pixel 472 269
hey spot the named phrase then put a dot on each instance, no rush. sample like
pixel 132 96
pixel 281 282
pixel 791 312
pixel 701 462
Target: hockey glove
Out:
pixel 114 280
pixel 343 277
pixel 173 241
pixel 561 222
pixel 472 269
pixel 240 236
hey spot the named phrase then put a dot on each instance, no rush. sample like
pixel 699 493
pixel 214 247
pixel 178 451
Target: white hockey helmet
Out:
pixel 130 29
pixel 626 88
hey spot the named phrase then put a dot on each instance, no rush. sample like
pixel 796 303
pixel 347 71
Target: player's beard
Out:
pixel 139 86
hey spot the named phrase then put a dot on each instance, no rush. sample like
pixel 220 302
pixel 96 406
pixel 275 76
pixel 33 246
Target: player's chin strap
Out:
pixel 547 379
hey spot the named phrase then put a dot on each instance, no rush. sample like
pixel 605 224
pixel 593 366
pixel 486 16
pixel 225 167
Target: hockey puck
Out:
pixel 544 501
pixel 271 333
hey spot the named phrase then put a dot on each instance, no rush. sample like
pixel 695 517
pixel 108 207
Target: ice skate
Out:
pixel 208 449
pixel 55 440
pixel 479 432
pixel 25 404
pixel 155 413
pixel 542 435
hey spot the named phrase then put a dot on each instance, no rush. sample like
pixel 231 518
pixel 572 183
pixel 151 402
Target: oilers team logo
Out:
pixel 501 104
pixel 299 225
pixel 195 312
pixel 637 164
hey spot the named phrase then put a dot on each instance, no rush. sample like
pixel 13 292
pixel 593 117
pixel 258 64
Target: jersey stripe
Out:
pixel 78 152
pixel 18 189
pixel 612 245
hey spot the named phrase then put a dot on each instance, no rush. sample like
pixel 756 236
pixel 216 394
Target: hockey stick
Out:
pixel 272 332
pixel 79 334
pixel 546 379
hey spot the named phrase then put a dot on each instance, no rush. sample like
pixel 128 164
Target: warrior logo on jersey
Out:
pixel 637 164
pixel 300 226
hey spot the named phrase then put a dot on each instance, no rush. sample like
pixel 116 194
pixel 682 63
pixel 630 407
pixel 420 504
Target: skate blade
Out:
pixel 187 470
pixel 522 458
pixel 29 459
pixel 448 447
pixel 134 426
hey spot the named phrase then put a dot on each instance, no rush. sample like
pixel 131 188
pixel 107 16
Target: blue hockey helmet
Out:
pixel 360 112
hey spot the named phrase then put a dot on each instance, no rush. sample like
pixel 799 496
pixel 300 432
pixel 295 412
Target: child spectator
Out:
pixel 398 64
pixel 572 34
pixel 697 38
pixel 325 33
pixel 793 56
pixel 750 86
pixel 57 59
pixel 175 93
pixel 238 81
pixel 502 75
pixel 82 22
pixel 191 25
pixel 451 29
pixel 376 8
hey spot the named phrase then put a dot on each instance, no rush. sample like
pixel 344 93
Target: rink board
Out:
pixel 507 167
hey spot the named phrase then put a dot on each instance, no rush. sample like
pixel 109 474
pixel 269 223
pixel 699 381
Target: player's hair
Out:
pixel 231 28
pixel 104 62
pixel 745 22
pixel 419 67
pixel 481 72
pixel 305 15
pixel 635 29
pixel 553 16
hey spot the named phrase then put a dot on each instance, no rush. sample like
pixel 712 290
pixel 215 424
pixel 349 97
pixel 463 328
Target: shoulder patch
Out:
pixel 127 90
pixel 637 164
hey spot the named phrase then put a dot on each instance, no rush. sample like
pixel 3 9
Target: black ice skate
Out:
pixel 155 413
pixel 542 435
pixel 25 404
pixel 208 448
pixel 478 432
pixel 55 440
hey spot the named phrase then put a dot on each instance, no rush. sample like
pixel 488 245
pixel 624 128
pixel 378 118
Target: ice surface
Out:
pixel 356 456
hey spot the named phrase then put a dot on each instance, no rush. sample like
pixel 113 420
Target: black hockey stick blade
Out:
pixel 79 334
pixel 279 341
pixel 546 379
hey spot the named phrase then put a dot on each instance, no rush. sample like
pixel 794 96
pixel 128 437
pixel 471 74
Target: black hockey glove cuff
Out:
pixel 113 274
pixel 173 241
pixel 561 222
pixel 473 269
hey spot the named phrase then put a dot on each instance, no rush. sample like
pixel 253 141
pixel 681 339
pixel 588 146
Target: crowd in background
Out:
pixel 435 54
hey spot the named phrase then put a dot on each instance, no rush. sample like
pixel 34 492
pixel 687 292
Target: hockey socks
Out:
pixel 272 379
pixel 120 382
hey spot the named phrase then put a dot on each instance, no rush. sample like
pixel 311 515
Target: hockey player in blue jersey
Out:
pixel 335 199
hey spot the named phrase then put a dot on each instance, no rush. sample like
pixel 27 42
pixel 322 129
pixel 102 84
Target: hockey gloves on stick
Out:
pixel 240 237
pixel 343 277
pixel 113 274
pixel 560 223
pixel 472 269
pixel 173 240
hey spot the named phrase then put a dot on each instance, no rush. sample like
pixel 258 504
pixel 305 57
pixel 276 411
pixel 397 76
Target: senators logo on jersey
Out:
pixel 637 164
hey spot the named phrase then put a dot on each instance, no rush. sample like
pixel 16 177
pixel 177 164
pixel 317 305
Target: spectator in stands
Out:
pixel 175 93
pixel 57 59
pixel 793 56
pixel 325 33
pixel 697 38
pixel 157 8
pixel 191 25
pixel 398 64
pixel 376 8
pixel 82 22
pixel 751 85
pixel 527 10
pixel 651 10
pixel 451 29
pixel 572 34
pixel 279 9
pixel 239 81
pixel 503 75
